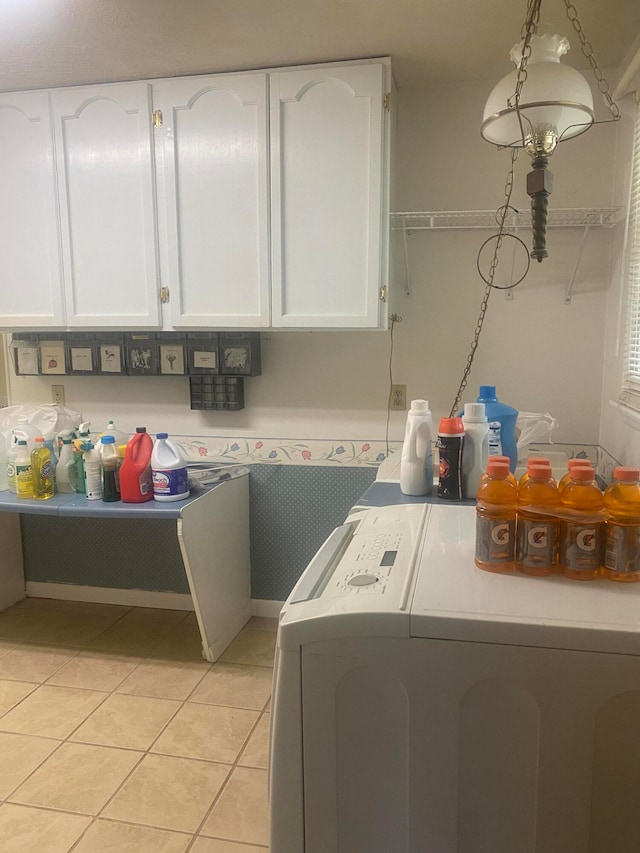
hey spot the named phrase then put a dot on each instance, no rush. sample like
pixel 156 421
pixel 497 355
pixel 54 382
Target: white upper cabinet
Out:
pixel 30 265
pixel 106 175
pixel 213 167
pixel 329 222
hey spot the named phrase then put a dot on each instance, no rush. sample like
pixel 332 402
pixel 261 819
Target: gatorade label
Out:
pixel 581 546
pixel 622 549
pixel 495 539
pixel 537 542
pixel 172 482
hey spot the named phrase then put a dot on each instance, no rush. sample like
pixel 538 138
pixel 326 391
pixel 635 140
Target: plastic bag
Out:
pixel 535 428
pixel 49 419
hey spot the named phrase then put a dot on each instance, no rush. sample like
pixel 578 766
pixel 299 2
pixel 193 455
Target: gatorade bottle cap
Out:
pixel 539 470
pixel 162 435
pixel 40 438
pixel 538 460
pixel 497 469
pixel 577 463
pixel 451 426
pixel 626 475
pixel 108 439
pixel 582 473
pixel 141 429
pixel 475 413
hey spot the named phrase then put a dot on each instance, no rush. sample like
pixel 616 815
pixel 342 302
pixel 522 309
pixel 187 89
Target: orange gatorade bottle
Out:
pixel 511 478
pixel 532 460
pixel 496 519
pixel 538 525
pixel 622 526
pixel 581 526
pixel 571 464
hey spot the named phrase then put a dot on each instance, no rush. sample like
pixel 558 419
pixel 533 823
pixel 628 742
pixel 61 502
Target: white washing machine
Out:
pixel 423 706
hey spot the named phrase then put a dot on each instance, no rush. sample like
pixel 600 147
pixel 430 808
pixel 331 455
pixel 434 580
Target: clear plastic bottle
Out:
pixel 42 471
pixel 78 455
pixel 92 473
pixel 170 476
pixel 23 475
pixel 622 526
pixel 496 520
pixel 475 452
pixel 538 525
pixel 120 437
pixel 532 460
pixel 416 462
pixel 581 526
pixel 571 464
pixel 66 470
pixel 109 463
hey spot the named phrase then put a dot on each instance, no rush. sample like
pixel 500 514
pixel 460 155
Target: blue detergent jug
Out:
pixel 506 416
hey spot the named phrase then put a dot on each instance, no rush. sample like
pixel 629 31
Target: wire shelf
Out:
pixel 440 220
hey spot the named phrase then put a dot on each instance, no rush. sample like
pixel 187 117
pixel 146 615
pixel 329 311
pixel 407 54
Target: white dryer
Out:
pixel 423 706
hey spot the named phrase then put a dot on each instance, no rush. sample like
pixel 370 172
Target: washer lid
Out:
pixel 454 600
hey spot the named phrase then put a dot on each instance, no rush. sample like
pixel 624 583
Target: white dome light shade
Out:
pixel 555 103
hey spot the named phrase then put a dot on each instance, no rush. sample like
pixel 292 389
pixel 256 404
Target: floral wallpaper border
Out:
pixel 283 451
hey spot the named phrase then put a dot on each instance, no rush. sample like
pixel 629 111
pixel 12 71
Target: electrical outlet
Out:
pixel 57 394
pixel 398 398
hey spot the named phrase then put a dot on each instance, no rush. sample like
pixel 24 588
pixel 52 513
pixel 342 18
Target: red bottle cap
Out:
pixel 451 426
pixel 497 469
pixel 626 475
pixel 577 463
pixel 582 473
pixel 539 470
pixel 537 460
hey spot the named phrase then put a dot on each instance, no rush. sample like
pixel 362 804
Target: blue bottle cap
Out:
pixel 487 392
pixel 108 439
pixel 162 435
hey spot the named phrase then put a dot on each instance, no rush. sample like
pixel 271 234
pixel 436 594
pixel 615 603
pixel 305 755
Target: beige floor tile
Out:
pixel 235 684
pixel 7 646
pixel 252 647
pixel 132 722
pixel 209 732
pixel 77 778
pixel 164 679
pixel 51 711
pixel 183 642
pixel 21 755
pixel 69 628
pixel 170 793
pixel 21 620
pixel 95 670
pixel 33 663
pixel 106 836
pixel 242 812
pixel 137 639
pixel 256 752
pixel 12 692
pixel 24 830
pixel 217 845
pixel 262 623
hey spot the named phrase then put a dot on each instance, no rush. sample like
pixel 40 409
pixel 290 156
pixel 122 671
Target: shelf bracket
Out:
pixel 567 295
pixel 405 246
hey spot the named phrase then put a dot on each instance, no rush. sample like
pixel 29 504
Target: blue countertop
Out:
pixel 381 493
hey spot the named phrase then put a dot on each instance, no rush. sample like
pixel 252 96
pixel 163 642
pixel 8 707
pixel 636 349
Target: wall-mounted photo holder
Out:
pixel 53 356
pixel 25 350
pixel 80 354
pixel 109 354
pixel 140 353
pixel 171 353
pixel 202 353
pixel 240 353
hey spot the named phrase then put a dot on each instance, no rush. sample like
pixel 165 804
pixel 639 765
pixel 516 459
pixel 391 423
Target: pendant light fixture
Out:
pixel 539 104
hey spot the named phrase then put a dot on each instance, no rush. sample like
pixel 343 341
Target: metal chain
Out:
pixel 587 50
pixel 493 267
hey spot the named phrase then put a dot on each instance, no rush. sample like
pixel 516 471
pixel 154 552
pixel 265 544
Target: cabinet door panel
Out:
pixel 106 173
pixel 215 198
pixel 327 196
pixel 30 266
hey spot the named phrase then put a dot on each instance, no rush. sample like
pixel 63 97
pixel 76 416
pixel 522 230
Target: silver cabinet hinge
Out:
pixel 383 293
pixel 164 295
pixel 387 101
pixel 157 118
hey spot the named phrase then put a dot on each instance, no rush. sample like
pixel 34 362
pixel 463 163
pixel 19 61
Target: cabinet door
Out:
pixel 107 195
pixel 214 180
pixel 328 213
pixel 30 267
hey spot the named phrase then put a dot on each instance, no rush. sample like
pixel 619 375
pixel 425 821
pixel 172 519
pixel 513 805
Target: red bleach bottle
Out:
pixel 136 483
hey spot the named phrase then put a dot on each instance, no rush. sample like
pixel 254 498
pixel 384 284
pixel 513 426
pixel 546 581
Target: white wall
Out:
pixel 541 354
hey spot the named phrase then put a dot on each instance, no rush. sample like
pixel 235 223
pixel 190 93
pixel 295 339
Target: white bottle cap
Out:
pixel 419 406
pixel 474 413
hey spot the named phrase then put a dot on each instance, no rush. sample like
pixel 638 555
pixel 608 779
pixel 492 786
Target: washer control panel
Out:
pixel 381 551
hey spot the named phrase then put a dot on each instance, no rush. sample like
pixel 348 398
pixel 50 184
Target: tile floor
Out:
pixel 116 737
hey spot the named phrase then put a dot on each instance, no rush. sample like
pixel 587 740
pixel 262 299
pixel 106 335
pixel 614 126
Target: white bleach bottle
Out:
pixel 92 472
pixel 416 461
pixel 475 451
pixel 169 471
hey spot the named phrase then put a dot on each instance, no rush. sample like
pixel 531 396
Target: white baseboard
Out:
pixel 266 607
pixel 135 597
pixel 108 595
